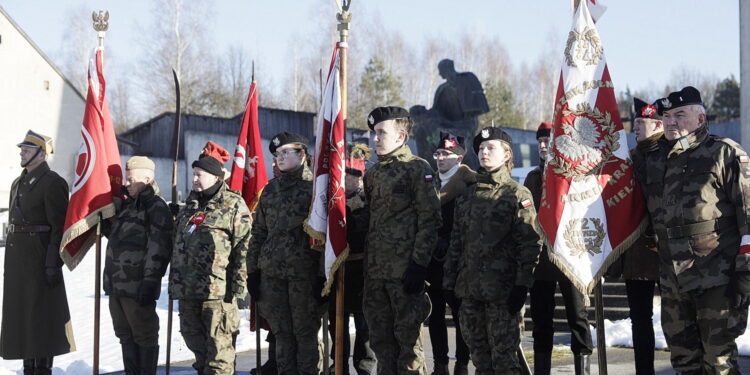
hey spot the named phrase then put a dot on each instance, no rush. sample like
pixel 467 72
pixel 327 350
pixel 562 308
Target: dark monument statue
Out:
pixel 458 102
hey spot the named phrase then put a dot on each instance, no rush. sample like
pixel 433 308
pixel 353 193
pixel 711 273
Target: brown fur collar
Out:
pixel 464 177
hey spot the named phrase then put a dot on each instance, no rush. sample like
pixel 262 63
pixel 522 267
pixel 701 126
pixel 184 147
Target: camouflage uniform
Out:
pixel 494 247
pixel 138 250
pixel 289 270
pixel 404 218
pixel 208 274
pixel 698 192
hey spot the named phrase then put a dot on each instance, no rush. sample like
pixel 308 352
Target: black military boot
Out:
pixel 130 359
pixel 441 369
pixel 28 366
pixel 542 363
pixel 147 359
pixel 581 363
pixel 43 366
pixel 460 369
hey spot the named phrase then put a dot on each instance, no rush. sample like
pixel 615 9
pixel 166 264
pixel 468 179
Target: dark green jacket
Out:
pixel 280 247
pixel 494 245
pixel 139 244
pixel 209 259
pixel 404 208
pixel 698 194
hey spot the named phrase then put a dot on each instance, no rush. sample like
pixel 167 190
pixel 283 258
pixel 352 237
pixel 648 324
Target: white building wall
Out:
pixel 34 95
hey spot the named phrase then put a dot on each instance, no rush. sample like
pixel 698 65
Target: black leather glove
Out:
pixel 146 293
pixel 441 249
pixel 253 285
pixel 174 208
pixel 739 289
pixel 451 299
pixel 320 282
pixel 517 298
pixel 53 276
pixel 413 278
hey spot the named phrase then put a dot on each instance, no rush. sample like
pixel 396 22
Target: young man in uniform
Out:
pixel 404 211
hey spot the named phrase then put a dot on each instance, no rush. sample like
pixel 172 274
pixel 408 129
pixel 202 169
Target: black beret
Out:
pixel 544 130
pixel 642 109
pixel 285 138
pixel 687 96
pixel 489 133
pixel 381 114
pixel 452 143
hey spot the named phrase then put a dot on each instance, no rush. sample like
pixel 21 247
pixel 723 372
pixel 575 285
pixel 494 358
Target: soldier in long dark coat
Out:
pixel 36 320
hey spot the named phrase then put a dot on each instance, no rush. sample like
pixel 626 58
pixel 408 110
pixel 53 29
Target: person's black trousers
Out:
pixel 543 311
pixel 437 326
pixel 641 303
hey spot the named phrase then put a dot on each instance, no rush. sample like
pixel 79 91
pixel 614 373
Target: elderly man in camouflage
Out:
pixel 208 270
pixel 494 248
pixel 138 251
pixel 404 210
pixel 284 274
pixel 698 194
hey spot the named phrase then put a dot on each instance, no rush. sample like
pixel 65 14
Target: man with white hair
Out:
pixel 138 251
pixel 698 195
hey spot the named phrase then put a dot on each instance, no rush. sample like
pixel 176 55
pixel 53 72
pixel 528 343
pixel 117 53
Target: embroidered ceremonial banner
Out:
pixel 327 220
pixel 249 168
pixel 591 209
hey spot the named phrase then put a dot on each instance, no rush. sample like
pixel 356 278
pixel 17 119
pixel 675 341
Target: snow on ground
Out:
pixel 79 285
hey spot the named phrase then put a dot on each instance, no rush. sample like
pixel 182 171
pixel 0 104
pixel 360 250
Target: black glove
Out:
pixel 451 299
pixel 320 282
pixel 53 276
pixel 517 298
pixel 174 208
pixel 441 249
pixel 413 278
pixel 739 290
pixel 253 285
pixel 146 293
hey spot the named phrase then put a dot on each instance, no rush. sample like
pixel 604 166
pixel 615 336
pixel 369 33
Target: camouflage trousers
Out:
pixel 493 336
pixel 207 327
pixel 294 315
pixel 700 328
pixel 395 320
pixel 133 323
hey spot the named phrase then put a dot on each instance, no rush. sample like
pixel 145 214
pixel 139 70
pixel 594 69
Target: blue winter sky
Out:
pixel 644 40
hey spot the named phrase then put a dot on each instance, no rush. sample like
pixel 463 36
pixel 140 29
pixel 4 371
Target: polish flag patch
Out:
pixel 526 203
pixel 744 159
pixel 745 245
pixel 428 177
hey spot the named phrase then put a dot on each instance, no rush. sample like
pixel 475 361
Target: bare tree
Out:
pixel 76 44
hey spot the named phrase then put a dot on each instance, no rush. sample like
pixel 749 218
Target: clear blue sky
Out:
pixel 644 40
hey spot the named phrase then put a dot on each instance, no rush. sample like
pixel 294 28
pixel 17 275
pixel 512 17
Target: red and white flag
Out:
pixel 249 168
pixel 98 173
pixel 327 220
pixel 596 8
pixel 592 209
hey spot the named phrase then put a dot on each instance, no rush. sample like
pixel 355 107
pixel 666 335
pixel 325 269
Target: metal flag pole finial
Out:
pixel 344 17
pixel 101 24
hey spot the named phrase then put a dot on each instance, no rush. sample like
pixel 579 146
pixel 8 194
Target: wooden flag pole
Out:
pixel 601 345
pixel 97 293
pixel 344 17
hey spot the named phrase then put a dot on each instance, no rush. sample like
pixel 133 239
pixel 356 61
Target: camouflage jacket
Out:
pixel 698 190
pixel 280 247
pixel 404 210
pixel 139 244
pixel 494 244
pixel 208 260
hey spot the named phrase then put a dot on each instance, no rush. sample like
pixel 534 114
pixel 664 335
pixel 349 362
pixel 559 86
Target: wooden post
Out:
pixel 601 345
pixel 97 293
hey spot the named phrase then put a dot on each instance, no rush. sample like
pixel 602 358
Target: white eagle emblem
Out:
pixel 666 103
pixel 485 133
pixel 371 120
pixel 580 144
pixel 276 141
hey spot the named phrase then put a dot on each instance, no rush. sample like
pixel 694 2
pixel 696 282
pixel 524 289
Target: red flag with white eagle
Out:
pixel 592 209
pixel 249 168
pixel 327 220
pixel 98 173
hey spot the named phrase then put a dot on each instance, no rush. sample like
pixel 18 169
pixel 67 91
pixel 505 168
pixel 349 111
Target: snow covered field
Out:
pixel 80 289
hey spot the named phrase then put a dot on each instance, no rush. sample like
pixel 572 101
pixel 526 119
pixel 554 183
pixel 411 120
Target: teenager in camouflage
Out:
pixel 490 262
pixel 698 195
pixel 285 274
pixel 208 269
pixel 138 251
pixel 404 210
